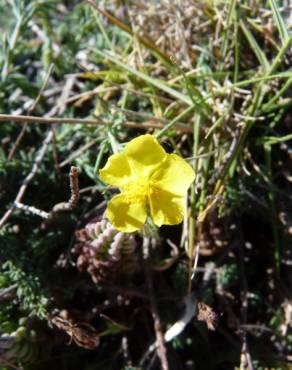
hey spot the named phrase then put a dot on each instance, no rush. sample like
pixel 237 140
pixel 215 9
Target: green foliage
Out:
pixel 30 297
pixel 227 275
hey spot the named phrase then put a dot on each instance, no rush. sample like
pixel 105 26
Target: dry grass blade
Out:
pixel 145 41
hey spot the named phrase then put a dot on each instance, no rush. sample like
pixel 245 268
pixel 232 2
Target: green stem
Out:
pixel 175 120
pixel 102 30
pixel 101 152
pixel 280 93
pixel 12 45
pixel 224 48
pixel 280 55
pixel 192 224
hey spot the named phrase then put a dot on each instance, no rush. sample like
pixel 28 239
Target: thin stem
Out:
pixel 74 121
pixel 192 224
pixel 174 121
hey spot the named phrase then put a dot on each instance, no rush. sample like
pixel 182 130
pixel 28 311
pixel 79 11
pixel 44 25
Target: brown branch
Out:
pixel 35 166
pixel 80 98
pixel 60 107
pixel 32 210
pixel 78 152
pixel 30 110
pixel 39 157
pixel 74 186
pixel 72 202
pixel 64 206
pixel 73 121
pixel 47 120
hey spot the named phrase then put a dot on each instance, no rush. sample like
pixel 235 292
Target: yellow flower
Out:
pixel 150 180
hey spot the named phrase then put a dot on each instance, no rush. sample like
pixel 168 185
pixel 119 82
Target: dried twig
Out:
pixel 64 206
pixel 74 187
pixel 78 152
pixel 73 121
pixel 30 110
pixel 39 157
pixel 60 107
pixel 31 209
pixel 142 39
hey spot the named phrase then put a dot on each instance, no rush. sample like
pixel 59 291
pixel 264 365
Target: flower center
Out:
pixel 137 192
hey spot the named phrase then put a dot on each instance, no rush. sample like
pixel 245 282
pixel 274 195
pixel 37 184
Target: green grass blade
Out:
pixel 222 91
pixel 278 95
pixel 271 140
pixel 279 57
pixel 174 121
pixel 284 35
pixel 217 123
pixel 255 47
pixel 230 16
pixel 152 81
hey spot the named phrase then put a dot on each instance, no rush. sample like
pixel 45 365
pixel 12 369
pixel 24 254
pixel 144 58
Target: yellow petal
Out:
pixel 144 154
pixel 116 171
pixel 166 208
pixel 124 215
pixel 174 175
